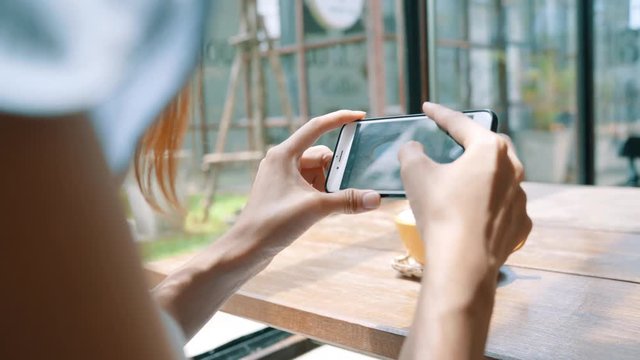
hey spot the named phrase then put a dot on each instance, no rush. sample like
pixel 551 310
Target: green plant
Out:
pixel 549 89
pixel 196 234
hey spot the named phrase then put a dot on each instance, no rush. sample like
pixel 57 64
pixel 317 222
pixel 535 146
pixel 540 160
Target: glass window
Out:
pixel 518 58
pixel 617 90
pixel 333 53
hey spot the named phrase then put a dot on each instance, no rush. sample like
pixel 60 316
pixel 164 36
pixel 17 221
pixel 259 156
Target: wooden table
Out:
pixel 572 292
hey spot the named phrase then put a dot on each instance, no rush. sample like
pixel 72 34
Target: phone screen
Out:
pixel 373 159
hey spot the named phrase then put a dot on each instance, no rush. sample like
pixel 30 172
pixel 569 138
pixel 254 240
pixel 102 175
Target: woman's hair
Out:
pixel 156 159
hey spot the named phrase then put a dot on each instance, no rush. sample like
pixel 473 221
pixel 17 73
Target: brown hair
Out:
pixel 157 153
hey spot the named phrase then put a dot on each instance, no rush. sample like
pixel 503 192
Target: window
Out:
pixel 617 89
pixel 346 59
pixel 518 58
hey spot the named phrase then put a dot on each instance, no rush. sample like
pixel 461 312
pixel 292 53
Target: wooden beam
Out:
pixel 241 123
pixel 375 64
pixel 289 348
pixel 242 156
pixel 401 44
pixel 301 61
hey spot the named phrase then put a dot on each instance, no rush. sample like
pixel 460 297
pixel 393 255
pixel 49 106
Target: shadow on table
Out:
pixel 310 270
pixel 507 275
pixel 562 315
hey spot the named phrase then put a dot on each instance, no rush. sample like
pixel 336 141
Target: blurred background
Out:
pixel 560 74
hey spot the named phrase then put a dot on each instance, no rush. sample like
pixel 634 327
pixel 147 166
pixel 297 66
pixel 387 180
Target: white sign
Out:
pixel 634 14
pixel 270 11
pixel 336 14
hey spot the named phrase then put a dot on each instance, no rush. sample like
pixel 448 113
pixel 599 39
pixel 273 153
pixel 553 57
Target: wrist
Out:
pixel 242 247
pixel 459 293
pixel 204 283
pixel 457 321
pixel 458 266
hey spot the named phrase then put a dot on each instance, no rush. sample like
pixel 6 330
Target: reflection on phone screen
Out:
pixel 373 159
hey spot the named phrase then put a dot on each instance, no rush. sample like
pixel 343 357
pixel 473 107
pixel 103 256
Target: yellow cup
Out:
pixel 410 236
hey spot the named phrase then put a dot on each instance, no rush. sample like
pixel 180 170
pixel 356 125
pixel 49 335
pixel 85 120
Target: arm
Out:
pixel 452 321
pixel 71 277
pixel 471 214
pixel 287 197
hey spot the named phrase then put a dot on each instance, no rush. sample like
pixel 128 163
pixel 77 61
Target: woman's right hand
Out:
pixel 472 212
pixel 472 215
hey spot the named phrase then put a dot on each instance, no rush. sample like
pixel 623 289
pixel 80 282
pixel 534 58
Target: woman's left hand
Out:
pixel 288 194
pixel 286 199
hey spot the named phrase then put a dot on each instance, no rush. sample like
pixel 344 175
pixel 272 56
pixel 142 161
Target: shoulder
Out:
pixel 66 56
pixel 119 61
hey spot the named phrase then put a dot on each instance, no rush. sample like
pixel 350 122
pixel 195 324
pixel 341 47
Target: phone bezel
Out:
pixel 345 141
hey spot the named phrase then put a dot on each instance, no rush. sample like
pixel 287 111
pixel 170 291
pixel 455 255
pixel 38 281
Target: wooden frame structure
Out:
pixel 248 61
pixel 301 47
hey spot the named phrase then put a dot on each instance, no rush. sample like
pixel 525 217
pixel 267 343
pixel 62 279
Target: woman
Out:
pixel 79 81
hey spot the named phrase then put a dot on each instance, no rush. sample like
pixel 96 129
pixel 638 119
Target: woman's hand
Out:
pixel 472 209
pixel 288 194
pixel 472 215
pixel 286 199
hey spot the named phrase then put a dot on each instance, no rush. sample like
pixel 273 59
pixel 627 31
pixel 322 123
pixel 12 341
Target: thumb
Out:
pixel 351 201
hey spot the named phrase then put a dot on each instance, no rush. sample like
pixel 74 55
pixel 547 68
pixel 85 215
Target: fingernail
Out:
pixel 370 200
pixel 415 144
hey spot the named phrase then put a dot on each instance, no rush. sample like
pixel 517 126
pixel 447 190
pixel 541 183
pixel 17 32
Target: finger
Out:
pixel 521 227
pixel 511 152
pixel 526 227
pixel 413 164
pixel 456 124
pixel 314 128
pixel 350 201
pixel 526 230
pixel 319 181
pixel 315 157
pixel 411 154
pixel 315 177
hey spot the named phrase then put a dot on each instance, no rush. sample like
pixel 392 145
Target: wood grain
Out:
pixel 356 301
pixel 572 292
pixel 569 249
pixel 585 207
pixel 611 255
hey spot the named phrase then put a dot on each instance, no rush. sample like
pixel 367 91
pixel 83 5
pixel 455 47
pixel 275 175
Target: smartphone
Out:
pixel 366 154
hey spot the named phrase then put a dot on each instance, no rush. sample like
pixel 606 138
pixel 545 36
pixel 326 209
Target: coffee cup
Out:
pixel 410 236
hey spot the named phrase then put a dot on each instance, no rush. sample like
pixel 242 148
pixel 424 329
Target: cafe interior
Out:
pixel 560 79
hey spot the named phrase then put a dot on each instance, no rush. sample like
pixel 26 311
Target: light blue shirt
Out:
pixel 121 61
